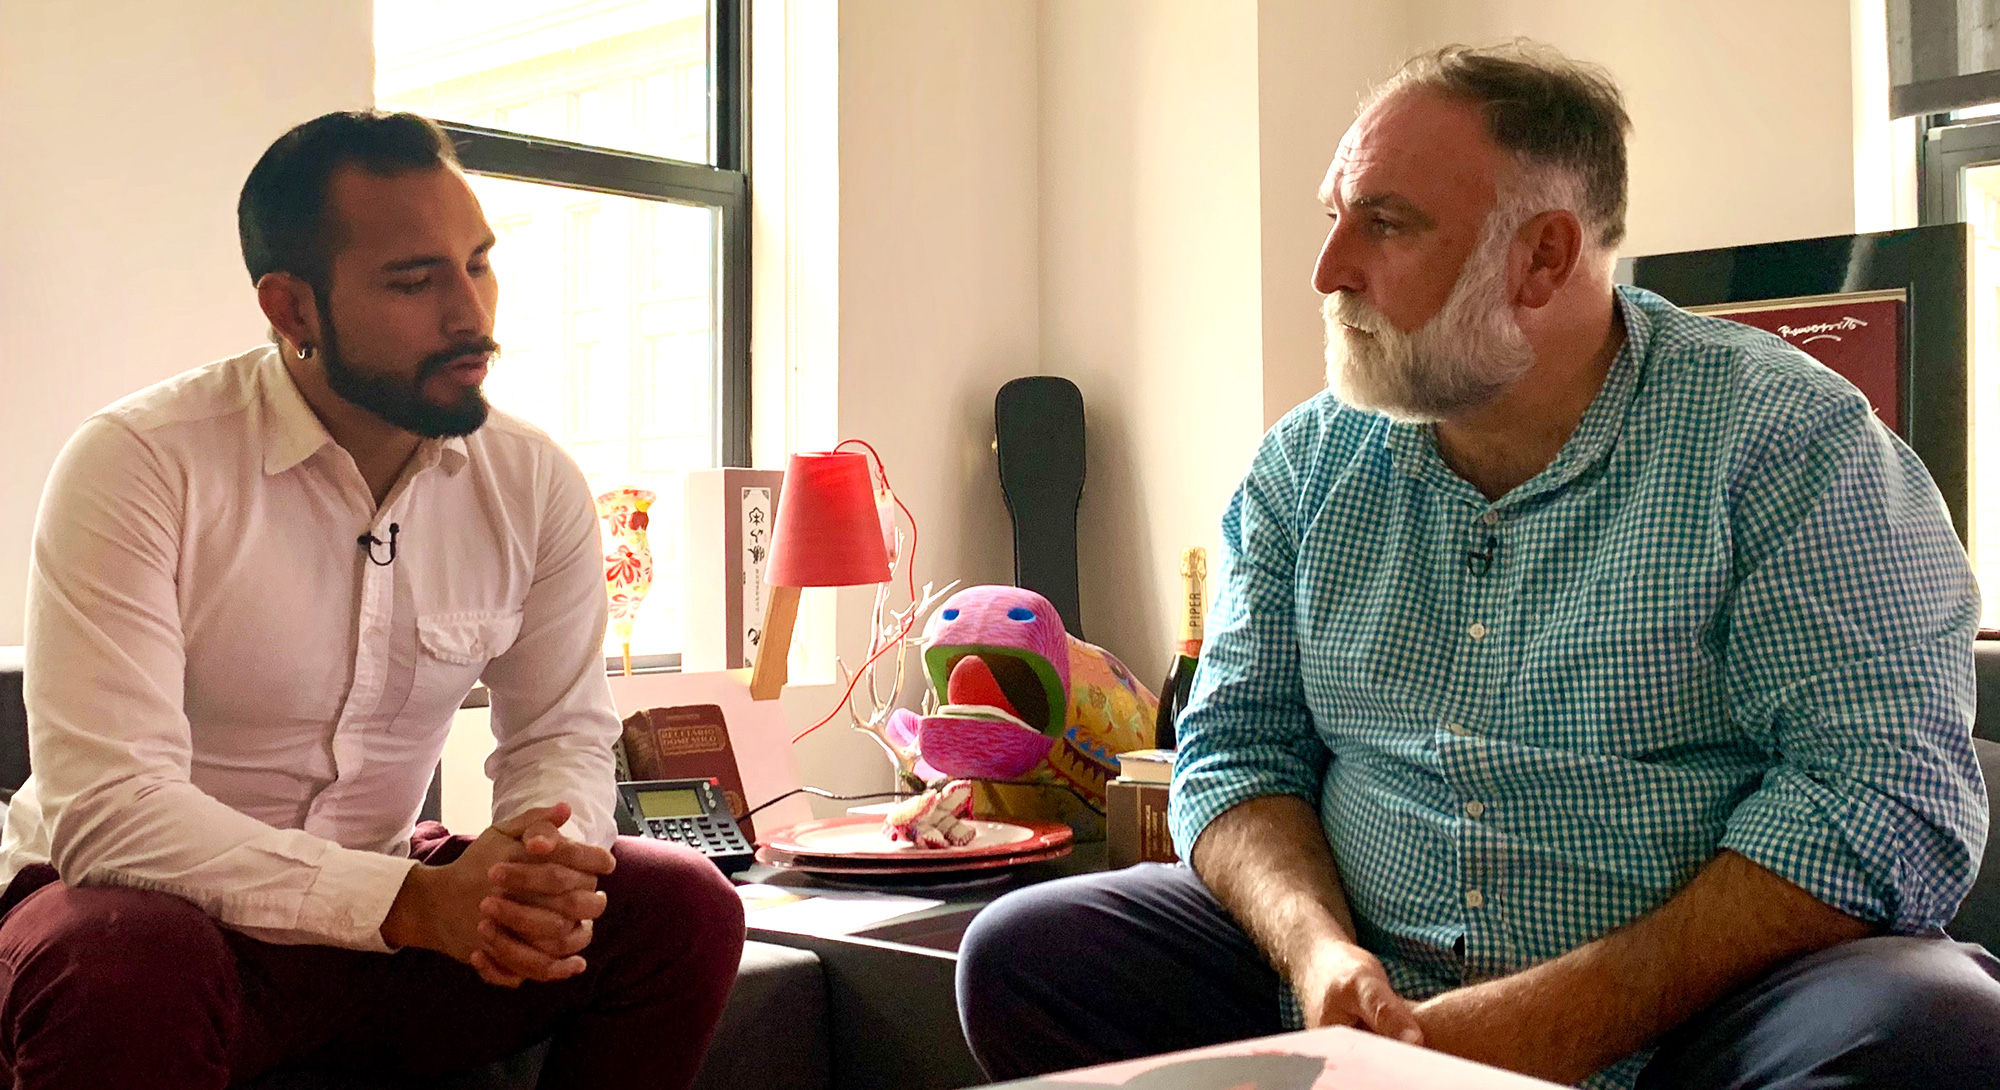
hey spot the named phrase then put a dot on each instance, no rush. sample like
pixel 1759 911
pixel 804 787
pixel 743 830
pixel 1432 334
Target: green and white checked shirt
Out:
pixel 1731 614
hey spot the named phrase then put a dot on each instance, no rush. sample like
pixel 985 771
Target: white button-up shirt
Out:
pixel 228 702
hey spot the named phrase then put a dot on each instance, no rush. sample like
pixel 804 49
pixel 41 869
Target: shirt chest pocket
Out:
pixel 469 637
pixel 453 649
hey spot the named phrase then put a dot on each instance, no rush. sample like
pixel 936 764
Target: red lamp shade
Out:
pixel 829 533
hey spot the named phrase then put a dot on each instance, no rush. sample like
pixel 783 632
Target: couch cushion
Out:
pixel 13 721
pixel 1979 917
pixel 1986 669
pixel 773 1033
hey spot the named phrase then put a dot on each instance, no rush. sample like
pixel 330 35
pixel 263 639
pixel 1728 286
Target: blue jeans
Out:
pixel 1137 962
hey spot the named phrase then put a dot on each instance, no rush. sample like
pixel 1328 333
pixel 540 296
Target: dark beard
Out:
pixel 402 404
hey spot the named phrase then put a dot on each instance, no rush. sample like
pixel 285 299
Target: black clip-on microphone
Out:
pixel 368 542
pixel 1476 561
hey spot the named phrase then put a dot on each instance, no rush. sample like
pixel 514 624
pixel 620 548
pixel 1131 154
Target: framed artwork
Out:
pixel 1888 311
pixel 1858 334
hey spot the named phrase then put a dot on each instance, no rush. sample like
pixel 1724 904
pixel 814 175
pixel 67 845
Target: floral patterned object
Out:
pixel 628 567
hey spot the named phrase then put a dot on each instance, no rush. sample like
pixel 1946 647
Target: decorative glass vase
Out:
pixel 628 565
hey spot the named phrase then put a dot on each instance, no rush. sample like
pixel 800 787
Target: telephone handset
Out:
pixel 692 812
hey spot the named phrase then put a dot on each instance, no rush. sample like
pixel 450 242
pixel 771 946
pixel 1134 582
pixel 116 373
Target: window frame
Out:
pixel 1946 147
pixel 722 185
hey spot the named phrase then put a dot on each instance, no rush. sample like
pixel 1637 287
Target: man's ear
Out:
pixel 1555 249
pixel 289 305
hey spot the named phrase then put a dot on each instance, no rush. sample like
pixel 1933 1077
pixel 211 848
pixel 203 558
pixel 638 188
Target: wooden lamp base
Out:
pixel 774 645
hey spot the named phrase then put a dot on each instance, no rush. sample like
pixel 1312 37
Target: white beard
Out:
pixel 1467 354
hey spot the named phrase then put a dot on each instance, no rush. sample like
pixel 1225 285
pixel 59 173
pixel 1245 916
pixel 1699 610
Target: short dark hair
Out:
pixel 281 214
pixel 1545 108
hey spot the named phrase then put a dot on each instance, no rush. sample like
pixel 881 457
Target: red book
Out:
pixel 683 743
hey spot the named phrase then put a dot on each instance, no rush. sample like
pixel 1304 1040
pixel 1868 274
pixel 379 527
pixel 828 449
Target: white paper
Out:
pixel 824 912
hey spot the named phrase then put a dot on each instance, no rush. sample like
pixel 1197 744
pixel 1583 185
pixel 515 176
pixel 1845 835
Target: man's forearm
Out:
pixel 1268 862
pixel 404 926
pixel 1568 1017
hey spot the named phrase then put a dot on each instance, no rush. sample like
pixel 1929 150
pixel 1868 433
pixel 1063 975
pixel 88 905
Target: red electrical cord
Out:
pixel 910 570
pixel 882 471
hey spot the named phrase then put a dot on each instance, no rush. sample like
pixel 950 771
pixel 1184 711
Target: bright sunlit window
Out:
pixel 604 139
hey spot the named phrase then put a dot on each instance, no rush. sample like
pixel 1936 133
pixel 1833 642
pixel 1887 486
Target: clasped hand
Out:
pixel 518 905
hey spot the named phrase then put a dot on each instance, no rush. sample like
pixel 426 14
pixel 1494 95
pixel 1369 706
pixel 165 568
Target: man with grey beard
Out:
pixel 1589 688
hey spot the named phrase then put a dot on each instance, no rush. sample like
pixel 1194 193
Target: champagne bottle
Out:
pixel 1180 679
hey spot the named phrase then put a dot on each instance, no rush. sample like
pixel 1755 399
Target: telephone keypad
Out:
pixel 713 832
pixel 698 832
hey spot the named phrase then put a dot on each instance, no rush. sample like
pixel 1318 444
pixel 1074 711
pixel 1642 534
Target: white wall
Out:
pixel 1315 59
pixel 1742 113
pixel 938 251
pixel 126 128
pixel 1150 286
pixel 937 284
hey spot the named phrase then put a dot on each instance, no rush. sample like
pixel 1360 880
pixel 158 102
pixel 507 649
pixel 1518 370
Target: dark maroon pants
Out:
pixel 105 987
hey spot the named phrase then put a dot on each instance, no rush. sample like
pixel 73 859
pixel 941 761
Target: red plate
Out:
pixel 858 837
pixel 815 865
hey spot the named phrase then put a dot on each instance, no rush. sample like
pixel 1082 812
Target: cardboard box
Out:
pixel 729 517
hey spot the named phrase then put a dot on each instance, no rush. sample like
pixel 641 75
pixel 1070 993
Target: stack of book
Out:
pixel 1135 809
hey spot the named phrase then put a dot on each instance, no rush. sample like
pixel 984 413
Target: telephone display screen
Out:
pixel 669 804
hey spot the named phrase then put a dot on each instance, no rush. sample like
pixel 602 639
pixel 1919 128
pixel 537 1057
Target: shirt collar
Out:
pixel 1413 447
pixel 293 433
pixel 447 454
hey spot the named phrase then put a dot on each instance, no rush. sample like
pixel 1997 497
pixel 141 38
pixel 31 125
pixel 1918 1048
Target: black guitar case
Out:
pixel 1038 426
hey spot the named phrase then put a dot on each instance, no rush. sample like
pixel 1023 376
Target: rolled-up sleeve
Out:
pixel 1247 732
pixel 553 720
pixel 1849 659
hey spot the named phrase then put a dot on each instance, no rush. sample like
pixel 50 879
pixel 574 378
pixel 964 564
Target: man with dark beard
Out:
pixel 1589 688
pixel 260 591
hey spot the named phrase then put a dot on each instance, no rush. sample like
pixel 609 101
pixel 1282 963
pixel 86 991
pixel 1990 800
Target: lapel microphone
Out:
pixel 369 542
pixel 1477 561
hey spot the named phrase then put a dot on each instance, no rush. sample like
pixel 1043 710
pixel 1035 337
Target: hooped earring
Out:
pixel 307 351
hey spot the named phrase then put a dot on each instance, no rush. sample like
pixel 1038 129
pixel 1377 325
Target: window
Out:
pixel 605 140
pixel 1958 167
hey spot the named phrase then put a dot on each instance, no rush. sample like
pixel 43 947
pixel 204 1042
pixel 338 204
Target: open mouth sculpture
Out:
pixel 1016 693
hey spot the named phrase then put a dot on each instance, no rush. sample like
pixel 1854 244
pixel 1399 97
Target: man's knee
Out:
pixel 1931 1003
pixel 1018 934
pixel 114 987
pixel 1060 936
pixel 1883 1012
pixel 668 891
pixel 124 941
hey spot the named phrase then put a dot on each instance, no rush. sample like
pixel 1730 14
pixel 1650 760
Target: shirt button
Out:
pixel 1474 808
pixel 1459 729
pixel 1490 518
pixel 1477 631
pixel 1475 899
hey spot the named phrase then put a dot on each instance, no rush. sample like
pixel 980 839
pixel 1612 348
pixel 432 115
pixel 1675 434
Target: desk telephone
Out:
pixel 693 812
